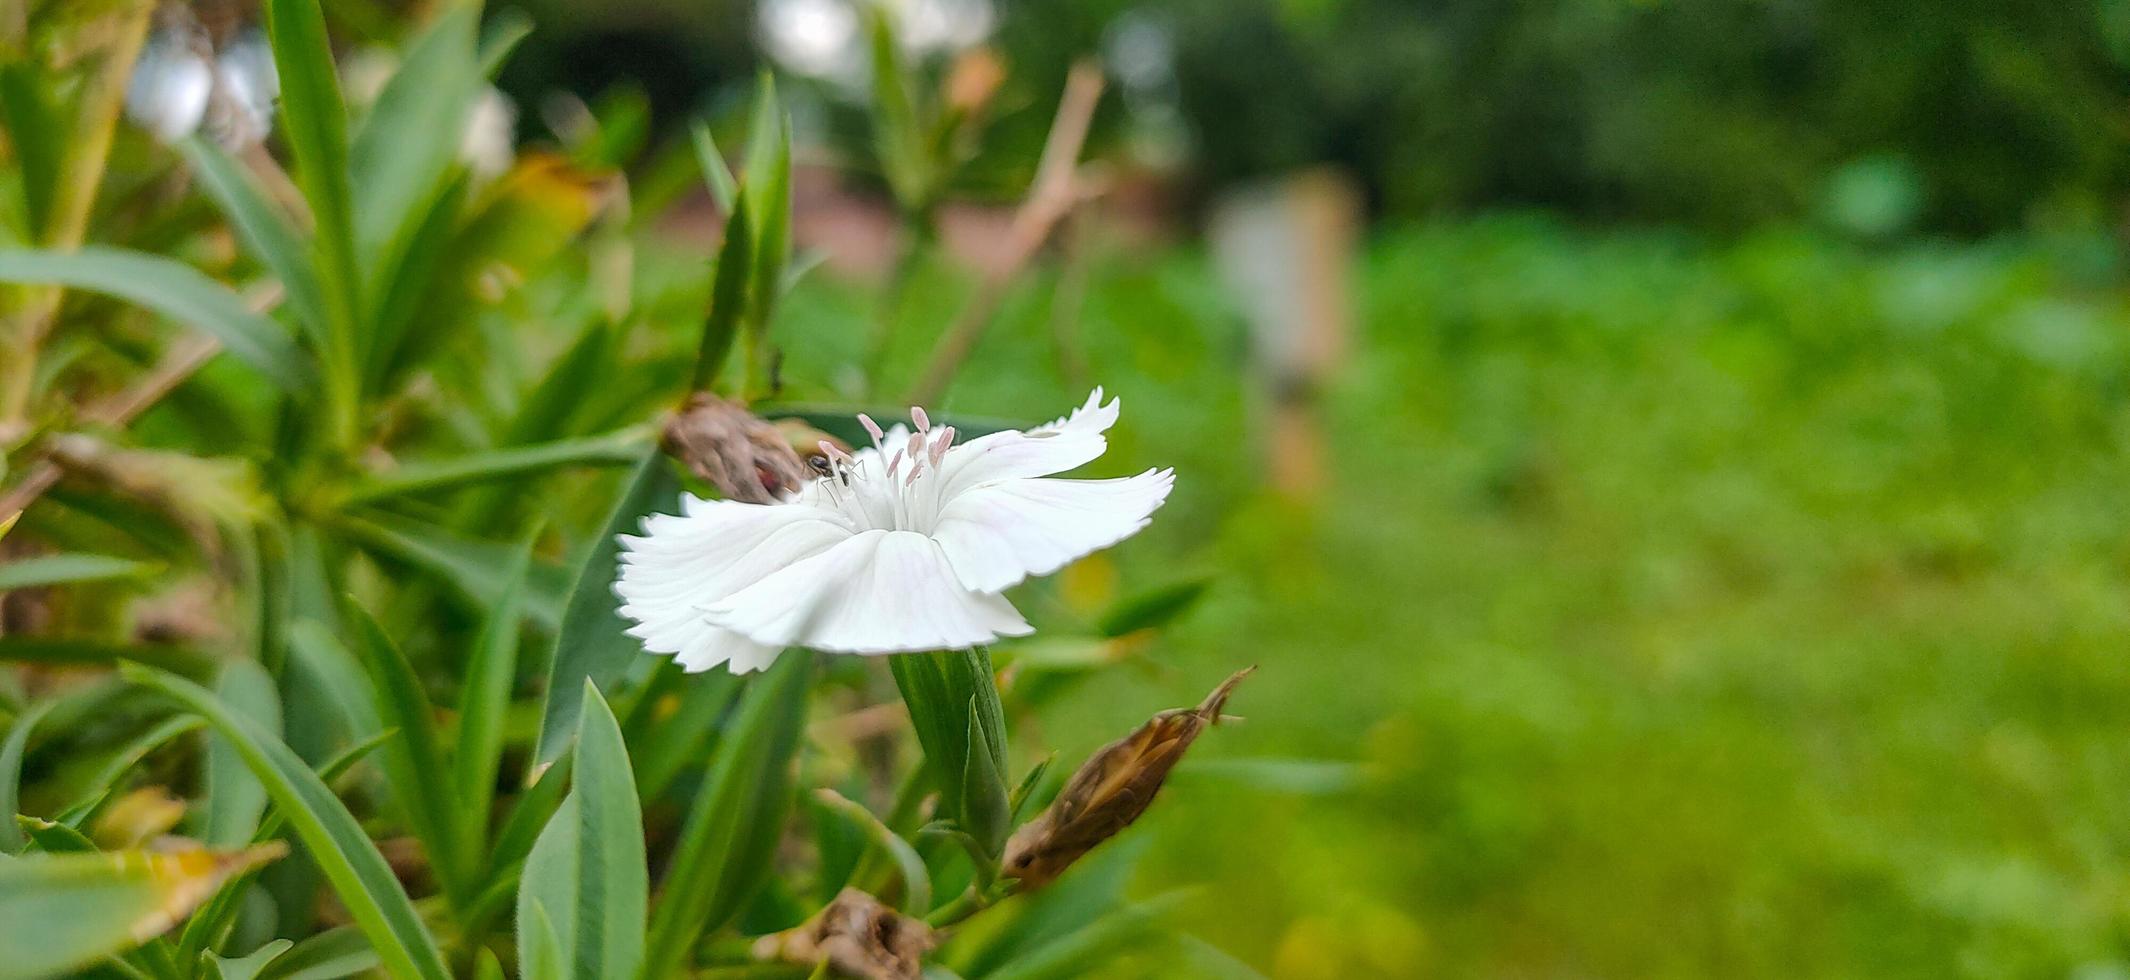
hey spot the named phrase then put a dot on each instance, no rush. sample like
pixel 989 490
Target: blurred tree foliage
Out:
pixel 1715 112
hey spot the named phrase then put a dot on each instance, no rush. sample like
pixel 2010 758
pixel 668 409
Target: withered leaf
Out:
pixel 857 936
pixel 1110 790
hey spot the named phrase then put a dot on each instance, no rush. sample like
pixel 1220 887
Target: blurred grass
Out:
pixel 1748 609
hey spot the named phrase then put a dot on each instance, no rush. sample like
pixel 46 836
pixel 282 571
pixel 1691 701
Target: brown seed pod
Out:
pixel 856 936
pixel 745 458
pixel 1111 789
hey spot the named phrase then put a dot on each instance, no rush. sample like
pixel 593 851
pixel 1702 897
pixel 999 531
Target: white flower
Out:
pixel 903 546
pixel 181 85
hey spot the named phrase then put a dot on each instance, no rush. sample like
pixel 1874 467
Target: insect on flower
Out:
pixel 901 546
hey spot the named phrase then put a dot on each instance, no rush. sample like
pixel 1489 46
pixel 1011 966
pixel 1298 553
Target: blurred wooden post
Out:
pixel 1286 249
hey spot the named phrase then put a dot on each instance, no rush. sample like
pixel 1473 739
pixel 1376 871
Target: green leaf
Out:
pixel 235 799
pixel 505 30
pixel 472 567
pixel 329 955
pixel 66 652
pixel 591 642
pixel 414 762
pixel 410 140
pixel 728 302
pixel 314 122
pixel 954 707
pixel 315 652
pixel 1153 608
pixel 52 837
pixel 986 808
pixel 215 917
pixel 245 967
pixel 477 751
pixel 265 230
pixel 729 841
pixel 175 290
pixel 335 841
pixel 61 912
pixel 1075 954
pixel 588 871
pixel 916 880
pixel 768 196
pixel 666 744
pixel 612 449
pixel 540 954
pixel 38 138
pixel 898 136
pixel 417 306
pixel 11 752
pixel 122 762
pixel 716 176
pixel 49 570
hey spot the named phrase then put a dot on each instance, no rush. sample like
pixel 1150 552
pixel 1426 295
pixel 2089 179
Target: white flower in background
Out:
pixel 900 547
pixel 167 94
pixel 490 145
pixel 181 85
pixel 826 38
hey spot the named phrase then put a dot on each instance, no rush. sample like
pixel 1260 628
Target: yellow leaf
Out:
pixel 62 912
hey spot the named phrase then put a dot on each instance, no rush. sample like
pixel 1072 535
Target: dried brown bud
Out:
pixel 856 936
pixel 1112 788
pixel 744 457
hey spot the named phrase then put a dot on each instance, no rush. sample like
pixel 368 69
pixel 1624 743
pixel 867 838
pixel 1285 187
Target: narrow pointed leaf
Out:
pixel 587 872
pixel 234 798
pixel 716 175
pixel 729 840
pixel 329 955
pixel 265 231
pixel 335 841
pixel 954 707
pixel 477 752
pixel 314 121
pixel 244 967
pixel 67 569
pixel 175 290
pixel 409 140
pixel 728 301
pixel 414 761
pixel 612 449
pixel 11 753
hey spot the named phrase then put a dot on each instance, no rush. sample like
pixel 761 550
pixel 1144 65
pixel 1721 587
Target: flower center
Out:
pixel 890 489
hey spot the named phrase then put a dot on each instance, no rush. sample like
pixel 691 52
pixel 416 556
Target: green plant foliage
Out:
pixel 339 584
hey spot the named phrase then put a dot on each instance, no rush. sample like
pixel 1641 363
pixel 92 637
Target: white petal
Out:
pixel 999 534
pixel 878 592
pixel 683 563
pixel 1054 448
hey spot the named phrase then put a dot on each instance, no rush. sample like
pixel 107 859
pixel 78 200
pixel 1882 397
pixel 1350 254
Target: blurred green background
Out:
pixel 1724 568
pixel 1721 566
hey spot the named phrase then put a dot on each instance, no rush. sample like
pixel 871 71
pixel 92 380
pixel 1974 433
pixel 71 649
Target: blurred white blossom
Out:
pixel 181 85
pixel 826 38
